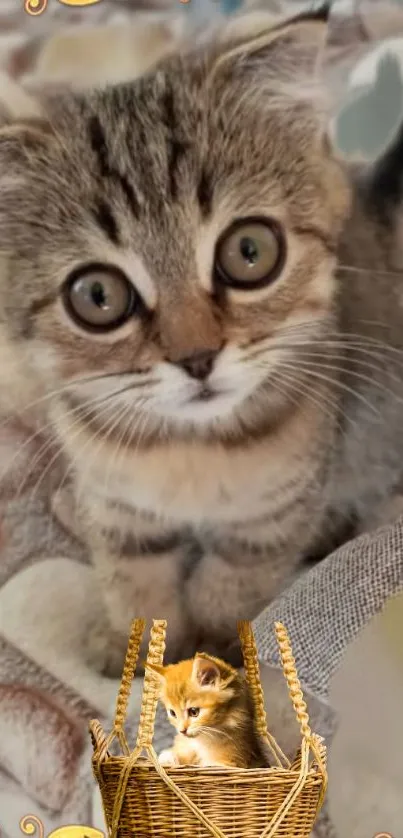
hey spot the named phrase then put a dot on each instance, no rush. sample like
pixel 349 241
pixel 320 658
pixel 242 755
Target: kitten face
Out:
pixel 197 694
pixel 165 242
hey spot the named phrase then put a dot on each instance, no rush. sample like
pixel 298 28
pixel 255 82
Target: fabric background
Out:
pixel 47 599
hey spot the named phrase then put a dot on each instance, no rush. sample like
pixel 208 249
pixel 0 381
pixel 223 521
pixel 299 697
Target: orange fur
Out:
pixel 208 703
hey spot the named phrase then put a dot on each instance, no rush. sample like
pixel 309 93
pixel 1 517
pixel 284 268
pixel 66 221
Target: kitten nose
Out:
pixel 200 364
pixel 184 731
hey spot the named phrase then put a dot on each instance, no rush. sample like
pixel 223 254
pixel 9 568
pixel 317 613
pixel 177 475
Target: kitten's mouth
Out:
pixel 205 394
pixel 208 393
pixel 199 404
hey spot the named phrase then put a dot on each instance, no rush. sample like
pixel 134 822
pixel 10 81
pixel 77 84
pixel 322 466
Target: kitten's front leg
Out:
pixel 138 576
pixel 167 758
pixel 182 753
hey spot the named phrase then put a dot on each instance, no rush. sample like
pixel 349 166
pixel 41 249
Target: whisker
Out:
pixel 71 467
pixel 115 454
pixel 335 382
pixel 340 384
pixel 125 409
pixel 76 424
pixel 101 432
pixel 66 389
pixel 359 376
pixel 330 356
pixel 73 434
pixel 298 387
pixel 25 445
pixel 49 443
pixel 360 362
pixel 371 347
pixel 214 732
pixel 354 269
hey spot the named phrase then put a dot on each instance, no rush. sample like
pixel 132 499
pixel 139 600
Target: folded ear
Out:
pixel 24 126
pixel 16 103
pixel 211 672
pixel 260 43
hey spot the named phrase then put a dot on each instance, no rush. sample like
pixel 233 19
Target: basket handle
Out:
pixel 129 670
pixel 252 673
pixel 291 676
pixel 311 741
pixel 101 743
pixel 145 733
pixel 155 655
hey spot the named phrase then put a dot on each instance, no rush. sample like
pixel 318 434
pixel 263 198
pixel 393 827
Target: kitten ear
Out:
pixel 24 127
pixel 205 672
pixel 16 103
pixel 259 43
pixel 157 670
pixel 211 672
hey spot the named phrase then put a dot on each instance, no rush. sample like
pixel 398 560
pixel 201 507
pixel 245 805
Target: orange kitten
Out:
pixel 208 703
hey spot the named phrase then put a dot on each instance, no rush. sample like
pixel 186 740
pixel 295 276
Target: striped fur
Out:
pixel 200 510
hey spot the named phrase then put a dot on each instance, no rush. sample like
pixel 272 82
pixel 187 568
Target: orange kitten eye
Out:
pixel 99 297
pixel 193 711
pixel 172 713
pixel 250 254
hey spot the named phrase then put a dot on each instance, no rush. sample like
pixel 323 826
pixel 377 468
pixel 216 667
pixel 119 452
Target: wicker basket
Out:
pixel 142 799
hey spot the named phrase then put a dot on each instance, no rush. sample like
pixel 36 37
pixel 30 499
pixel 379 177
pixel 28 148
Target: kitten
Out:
pixel 208 703
pixel 208 304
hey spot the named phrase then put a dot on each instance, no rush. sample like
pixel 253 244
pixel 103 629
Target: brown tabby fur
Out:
pixel 200 512
pixel 222 733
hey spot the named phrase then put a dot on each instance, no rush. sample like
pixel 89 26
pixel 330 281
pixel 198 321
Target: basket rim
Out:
pixel 144 763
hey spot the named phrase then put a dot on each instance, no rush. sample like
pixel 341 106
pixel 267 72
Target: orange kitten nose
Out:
pixel 184 731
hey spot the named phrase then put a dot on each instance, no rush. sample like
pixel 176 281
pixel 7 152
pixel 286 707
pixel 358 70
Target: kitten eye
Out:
pixel 172 713
pixel 99 297
pixel 250 254
pixel 193 711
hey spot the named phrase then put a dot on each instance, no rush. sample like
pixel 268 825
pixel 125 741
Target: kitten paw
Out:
pixel 167 758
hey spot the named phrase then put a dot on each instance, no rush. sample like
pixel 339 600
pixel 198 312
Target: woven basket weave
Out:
pixel 143 799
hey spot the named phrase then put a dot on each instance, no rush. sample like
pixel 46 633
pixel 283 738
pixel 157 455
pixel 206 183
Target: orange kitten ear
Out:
pixel 211 672
pixel 156 670
pixel 205 672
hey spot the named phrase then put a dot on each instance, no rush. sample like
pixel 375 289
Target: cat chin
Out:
pixel 201 412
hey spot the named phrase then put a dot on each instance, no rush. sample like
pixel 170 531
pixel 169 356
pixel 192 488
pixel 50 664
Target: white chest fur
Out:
pixel 195 482
pixel 188 483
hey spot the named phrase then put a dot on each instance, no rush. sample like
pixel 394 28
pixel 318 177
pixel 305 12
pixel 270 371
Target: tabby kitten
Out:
pixel 208 703
pixel 194 293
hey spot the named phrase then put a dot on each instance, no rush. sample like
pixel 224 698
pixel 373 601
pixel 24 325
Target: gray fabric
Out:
pixel 365 573
pixel 326 608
